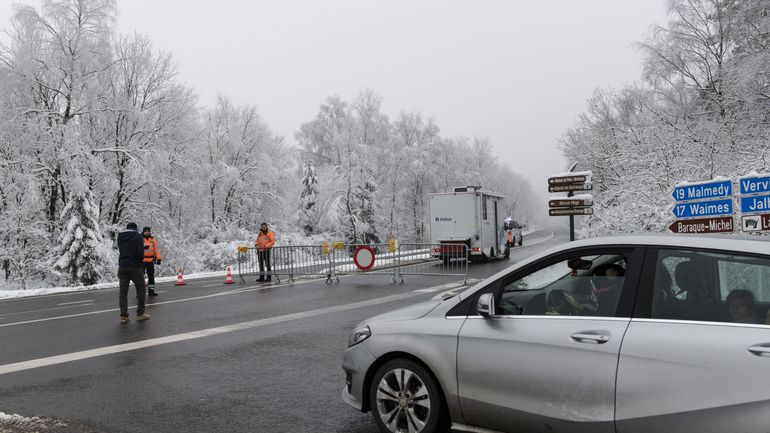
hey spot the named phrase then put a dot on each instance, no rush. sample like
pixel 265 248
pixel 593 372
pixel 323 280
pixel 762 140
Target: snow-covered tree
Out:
pixel 308 199
pixel 365 196
pixel 701 111
pixel 81 245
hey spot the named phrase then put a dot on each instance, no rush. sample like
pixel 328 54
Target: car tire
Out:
pixel 402 392
pixel 446 260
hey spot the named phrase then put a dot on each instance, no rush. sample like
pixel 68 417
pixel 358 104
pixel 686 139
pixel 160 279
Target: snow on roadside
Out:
pixel 18 293
pixel 17 420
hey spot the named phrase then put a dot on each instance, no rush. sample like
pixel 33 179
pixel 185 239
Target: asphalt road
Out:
pixel 213 358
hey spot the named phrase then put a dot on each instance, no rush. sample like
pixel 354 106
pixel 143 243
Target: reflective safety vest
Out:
pixel 265 241
pixel 151 251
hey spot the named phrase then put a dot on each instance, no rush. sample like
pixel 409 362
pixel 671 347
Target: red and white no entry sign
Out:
pixel 363 257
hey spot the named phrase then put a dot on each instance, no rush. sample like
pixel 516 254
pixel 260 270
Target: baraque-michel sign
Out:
pixel 703 225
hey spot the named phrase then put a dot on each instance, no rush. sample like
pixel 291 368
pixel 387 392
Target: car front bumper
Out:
pixel 356 363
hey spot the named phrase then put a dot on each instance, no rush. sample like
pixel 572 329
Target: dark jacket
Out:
pixel 131 247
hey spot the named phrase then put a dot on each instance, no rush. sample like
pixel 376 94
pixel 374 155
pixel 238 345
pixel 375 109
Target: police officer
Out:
pixel 151 258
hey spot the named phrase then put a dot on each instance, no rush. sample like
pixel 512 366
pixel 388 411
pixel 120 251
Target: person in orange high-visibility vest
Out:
pixel 151 258
pixel 265 241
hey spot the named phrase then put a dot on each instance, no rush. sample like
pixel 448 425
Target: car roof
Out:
pixel 734 243
pixel 747 244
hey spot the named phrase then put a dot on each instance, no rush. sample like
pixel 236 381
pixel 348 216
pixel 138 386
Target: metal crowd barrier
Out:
pixel 287 261
pixel 330 261
pixel 432 260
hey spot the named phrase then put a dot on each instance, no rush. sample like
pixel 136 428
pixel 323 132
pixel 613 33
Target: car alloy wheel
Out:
pixel 405 399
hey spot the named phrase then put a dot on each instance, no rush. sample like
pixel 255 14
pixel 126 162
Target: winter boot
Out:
pixel 143 316
pixel 151 291
pixel 124 319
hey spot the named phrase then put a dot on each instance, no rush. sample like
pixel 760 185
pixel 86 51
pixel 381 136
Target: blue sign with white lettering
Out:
pixel 703 208
pixel 702 191
pixel 755 184
pixel 755 204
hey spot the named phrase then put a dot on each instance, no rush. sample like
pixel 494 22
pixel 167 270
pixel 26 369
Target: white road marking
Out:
pixel 175 301
pixel 537 241
pixel 76 302
pixel 443 287
pixel 85 354
pixel 40 310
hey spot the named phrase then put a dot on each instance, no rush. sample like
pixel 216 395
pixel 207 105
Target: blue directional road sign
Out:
pixel 755 204
pixel 755 184
pixel 703 208
pixel 703 191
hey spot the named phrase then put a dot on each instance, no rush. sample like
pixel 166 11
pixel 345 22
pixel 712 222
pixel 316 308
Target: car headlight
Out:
pixel 358 335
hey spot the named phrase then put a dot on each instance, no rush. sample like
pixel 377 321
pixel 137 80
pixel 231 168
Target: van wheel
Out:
pixel 405 398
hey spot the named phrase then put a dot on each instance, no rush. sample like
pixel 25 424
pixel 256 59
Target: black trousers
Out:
pixel 127 275
pixel 264 261
pixel 149 268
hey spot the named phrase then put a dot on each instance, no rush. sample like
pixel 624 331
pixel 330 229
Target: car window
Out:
pixel 715 287
pixel 577 286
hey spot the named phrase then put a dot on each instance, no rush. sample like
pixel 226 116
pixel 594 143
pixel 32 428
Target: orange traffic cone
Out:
pixel 179 279
pixel 229 276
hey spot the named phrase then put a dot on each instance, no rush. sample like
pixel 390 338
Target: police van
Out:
pixel 467 215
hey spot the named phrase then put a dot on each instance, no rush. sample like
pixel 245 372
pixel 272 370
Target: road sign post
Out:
pixel 572 205
pixel 703 207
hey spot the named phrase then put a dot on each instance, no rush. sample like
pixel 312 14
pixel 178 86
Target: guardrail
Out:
pixel 330 261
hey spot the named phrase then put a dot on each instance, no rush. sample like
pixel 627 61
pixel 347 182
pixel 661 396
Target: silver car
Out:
pixel 623 335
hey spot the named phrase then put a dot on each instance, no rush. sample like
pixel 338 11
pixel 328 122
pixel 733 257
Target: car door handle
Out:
pixel 760 349
pixel 594 337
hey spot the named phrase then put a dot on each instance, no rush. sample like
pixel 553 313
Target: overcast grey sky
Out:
pixel 518 72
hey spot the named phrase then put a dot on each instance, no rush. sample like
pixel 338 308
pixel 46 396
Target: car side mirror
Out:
pixel 485 306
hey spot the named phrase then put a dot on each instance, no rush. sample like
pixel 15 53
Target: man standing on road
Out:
pixel 130 269
pixel 151 258
pixel 265 241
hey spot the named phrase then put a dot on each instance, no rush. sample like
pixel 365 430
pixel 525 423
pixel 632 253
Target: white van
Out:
pixel 469 216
